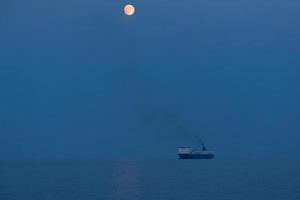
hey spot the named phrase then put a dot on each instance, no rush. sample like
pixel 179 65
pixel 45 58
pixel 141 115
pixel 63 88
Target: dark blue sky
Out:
pixel 80 80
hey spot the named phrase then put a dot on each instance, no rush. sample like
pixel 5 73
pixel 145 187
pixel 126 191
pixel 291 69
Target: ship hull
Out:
pixel 195 156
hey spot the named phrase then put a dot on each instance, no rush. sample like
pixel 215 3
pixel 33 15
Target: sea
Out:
pixel 150 180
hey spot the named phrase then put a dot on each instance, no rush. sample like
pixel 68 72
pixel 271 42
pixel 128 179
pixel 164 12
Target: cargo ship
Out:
pixel 190 153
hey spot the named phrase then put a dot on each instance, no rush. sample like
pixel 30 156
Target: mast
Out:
pixel 203 146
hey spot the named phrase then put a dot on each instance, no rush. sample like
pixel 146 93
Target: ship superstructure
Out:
pixel 190 153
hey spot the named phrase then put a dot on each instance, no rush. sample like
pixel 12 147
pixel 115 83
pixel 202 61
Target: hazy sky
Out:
pixel 80 80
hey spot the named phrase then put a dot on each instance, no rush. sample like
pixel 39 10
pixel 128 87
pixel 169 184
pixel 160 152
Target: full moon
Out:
pixel 129 9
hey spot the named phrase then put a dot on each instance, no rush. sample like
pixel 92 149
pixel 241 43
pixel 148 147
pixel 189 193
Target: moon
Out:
pixel 129 9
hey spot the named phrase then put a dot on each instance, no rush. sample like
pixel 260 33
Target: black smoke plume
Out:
pixel 168 124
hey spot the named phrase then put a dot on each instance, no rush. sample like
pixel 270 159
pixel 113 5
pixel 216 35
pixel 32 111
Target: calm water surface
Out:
pixel 155 179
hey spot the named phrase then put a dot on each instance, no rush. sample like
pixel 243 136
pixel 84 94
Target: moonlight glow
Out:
pixel 129 9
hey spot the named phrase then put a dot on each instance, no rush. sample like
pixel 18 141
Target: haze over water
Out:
pixel 82 81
